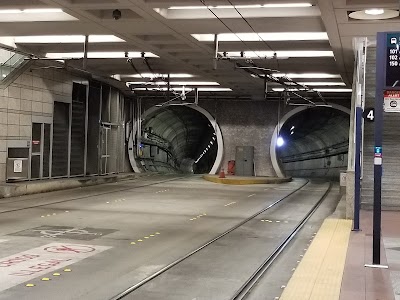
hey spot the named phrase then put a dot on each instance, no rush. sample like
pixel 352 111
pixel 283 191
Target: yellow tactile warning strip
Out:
pixel 319 274
pixel 245 180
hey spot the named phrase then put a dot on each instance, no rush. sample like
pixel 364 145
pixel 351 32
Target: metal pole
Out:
pixel 216 46
pixel 196 96
pixel 357 170
pixel 380 67
pixel 85 52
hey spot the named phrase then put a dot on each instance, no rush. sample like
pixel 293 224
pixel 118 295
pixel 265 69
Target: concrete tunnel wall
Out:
pixel 244 123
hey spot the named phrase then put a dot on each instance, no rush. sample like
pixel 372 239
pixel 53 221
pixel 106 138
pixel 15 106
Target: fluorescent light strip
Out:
pixel 322 83
pixel 307 75
pixel 204 89
pixel 99 55
pixel 151 75
pixel 279 54
pixel 190 83
pixel 65 39
pixel 271 5
pixel 317 89
pixel 30 11
pixel 270 36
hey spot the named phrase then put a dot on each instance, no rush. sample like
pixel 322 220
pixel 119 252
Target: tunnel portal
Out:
pixel 178 138
pixel 314 143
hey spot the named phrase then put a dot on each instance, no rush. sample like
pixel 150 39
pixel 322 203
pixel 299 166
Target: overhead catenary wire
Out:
pixel 219 19
pixel 252 28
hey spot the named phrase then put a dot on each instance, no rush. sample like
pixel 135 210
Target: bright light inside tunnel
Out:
pixel 280 141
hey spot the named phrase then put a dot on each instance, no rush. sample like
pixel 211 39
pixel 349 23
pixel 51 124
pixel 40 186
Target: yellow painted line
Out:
pixel 42 216
pixel 140 240
pixel 133 243
pixel 158 233
pixel 319 274
pixel 67 270
pixel 146 237
pixel 30 285
pixel 152 235
pixel 46 279
pixel 56 274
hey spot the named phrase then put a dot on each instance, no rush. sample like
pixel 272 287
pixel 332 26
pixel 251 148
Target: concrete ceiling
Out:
pixel 169 37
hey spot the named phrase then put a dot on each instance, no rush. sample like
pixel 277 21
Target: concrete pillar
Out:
pixel 350 177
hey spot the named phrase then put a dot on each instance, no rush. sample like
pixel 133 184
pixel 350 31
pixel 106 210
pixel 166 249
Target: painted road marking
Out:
pixel 2 241
pixel 231 203
pixel 27 265
pixel 251 195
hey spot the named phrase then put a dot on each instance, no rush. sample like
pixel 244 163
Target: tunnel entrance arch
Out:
pixel 288 116
pixel 186 163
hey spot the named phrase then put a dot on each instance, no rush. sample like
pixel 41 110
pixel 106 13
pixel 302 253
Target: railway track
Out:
pixel 244 290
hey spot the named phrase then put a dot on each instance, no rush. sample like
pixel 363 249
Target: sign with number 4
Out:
pixel 369 114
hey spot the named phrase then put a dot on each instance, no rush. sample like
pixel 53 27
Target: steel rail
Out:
pixel 179 260
pixel 244 291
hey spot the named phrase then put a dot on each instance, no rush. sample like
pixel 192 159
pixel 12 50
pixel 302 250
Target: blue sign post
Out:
pixel 387 78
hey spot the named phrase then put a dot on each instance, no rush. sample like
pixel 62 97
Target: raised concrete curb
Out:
pixel 238 180
pixel 43 186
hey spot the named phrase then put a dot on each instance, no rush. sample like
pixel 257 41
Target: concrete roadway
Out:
pixel 112 236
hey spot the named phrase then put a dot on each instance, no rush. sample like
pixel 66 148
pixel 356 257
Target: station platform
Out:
pixel 333 267
pixel 20 188
pixel 243 180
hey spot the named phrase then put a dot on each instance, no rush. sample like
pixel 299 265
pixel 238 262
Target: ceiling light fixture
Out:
pixel 31 11
pixel 374 14
pixel 307 75
pixel 322 83
pixel 279 54
pixel 67 55
pixel 265 36
pixel 269 5
pixel 158 75
pixel 204 89
pixel 189 83
pixel 318 90
pixel 65 39
pixel 374 11
pixel 34 15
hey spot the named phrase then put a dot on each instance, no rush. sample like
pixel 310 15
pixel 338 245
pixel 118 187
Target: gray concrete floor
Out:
pixel 170 218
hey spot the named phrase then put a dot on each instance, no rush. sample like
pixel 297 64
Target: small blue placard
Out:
pixel 378 150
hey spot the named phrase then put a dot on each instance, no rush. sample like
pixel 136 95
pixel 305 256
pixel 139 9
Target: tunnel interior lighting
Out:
pixel 279 54
pixel 292 132
pixel 280 141
pixel 98 55
pixel 64 39
pixel 292 128
pixel 268 5
pixel 374 11
pixel 264 36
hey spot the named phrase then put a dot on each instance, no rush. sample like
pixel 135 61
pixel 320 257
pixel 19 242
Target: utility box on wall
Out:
pixel 244 161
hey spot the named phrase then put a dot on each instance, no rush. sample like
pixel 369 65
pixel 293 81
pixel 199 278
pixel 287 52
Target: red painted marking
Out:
pixel 70 249
pixel 40 267
pixel 16 260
